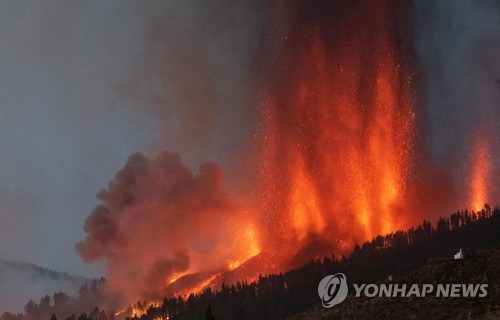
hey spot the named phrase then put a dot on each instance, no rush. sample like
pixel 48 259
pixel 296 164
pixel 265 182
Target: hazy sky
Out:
pixel 83 84
pixel 63 130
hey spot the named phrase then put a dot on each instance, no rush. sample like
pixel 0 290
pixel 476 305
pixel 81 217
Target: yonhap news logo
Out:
pixel 333 289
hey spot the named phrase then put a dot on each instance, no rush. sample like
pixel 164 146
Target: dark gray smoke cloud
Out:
pixel 458 51
pixel 158 219
pixel 195 73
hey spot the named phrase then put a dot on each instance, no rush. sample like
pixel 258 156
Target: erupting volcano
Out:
pixel 245 150
pixel 334 163
pixel 334 149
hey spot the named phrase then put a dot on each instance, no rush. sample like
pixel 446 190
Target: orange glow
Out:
pixel 174 279
pixel 337 136
pixel 480 175
pixel 135 311
pixel 207 283
pixel 306 214
pixel 233 265
pixel 252 241
pixel 120 312
pixel 334 149
pixel 247 241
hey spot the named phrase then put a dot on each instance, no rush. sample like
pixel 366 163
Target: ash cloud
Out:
pixel 195 73
pixel 157 219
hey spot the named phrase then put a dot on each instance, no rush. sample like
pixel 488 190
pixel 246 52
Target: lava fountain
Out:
pixel 481 172
pixel 337 125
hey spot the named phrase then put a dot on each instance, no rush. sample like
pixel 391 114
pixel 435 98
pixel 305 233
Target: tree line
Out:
pixel 280 295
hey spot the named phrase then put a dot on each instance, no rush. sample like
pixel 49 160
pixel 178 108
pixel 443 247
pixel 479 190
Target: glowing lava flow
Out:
pixel 248 242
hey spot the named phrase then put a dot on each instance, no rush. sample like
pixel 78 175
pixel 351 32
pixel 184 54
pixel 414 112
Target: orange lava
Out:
pixel 337 131
pixel 481 173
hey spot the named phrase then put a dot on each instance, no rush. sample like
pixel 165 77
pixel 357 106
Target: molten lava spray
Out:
pixel 481 173
pixel 338 125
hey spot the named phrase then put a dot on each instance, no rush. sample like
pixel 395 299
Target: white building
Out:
pixel 458 255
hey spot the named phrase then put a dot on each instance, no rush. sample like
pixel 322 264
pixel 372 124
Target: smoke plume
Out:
pixel 157 219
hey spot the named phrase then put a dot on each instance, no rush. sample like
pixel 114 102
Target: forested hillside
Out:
pixel 282 295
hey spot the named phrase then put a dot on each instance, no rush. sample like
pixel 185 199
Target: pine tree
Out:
pixel 208 314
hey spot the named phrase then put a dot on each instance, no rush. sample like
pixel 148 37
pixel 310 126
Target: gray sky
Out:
pixel 85 84
pixel 63 130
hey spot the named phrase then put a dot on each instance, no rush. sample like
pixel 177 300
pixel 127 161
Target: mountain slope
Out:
pixel 483 267
pixel 20 282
